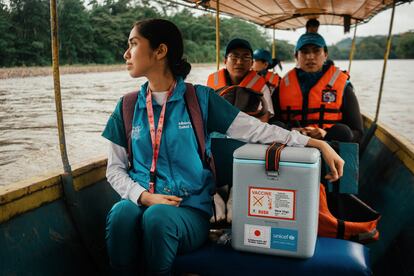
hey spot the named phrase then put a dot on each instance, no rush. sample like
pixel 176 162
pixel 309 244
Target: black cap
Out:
pixel 238 43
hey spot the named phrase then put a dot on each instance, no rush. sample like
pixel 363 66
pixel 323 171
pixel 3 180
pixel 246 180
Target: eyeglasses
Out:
pixel 243 59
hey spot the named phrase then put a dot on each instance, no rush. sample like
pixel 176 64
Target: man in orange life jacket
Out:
pixel 316 97
pixel 238 61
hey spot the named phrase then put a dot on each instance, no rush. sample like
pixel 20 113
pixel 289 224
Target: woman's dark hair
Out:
pixel 160 31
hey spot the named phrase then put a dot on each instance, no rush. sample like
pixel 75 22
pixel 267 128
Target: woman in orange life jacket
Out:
pixel 166 189
pixel 262 63
pixel 317 98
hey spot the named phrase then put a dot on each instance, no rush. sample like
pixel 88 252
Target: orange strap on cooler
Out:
pixel 273 158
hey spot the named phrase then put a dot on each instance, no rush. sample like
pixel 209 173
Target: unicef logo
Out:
pixel 284 237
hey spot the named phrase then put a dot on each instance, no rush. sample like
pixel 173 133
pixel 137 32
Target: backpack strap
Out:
pixel 194 111
pixel 128 107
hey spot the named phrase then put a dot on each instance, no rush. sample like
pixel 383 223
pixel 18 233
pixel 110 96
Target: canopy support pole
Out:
pixel 351 53
pixel 371 131
pixel 274 48
pixel 273 44
pixel 384 68
pixel 218 34
pixel 56 84
pixel 69 194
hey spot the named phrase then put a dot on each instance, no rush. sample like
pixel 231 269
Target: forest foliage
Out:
pixel 96 32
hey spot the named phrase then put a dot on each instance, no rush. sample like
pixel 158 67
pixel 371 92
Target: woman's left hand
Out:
pixel 148 199
pixel 314 132
pixel 332 159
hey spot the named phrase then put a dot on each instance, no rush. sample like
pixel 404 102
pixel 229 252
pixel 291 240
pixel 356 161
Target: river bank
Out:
pixel 35 71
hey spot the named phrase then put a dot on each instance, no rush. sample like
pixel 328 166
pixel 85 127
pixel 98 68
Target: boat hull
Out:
pixel 42 232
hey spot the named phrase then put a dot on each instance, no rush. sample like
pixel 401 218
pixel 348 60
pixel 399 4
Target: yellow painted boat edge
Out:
pixel 88 173
pixel 398 144
pixel 28 194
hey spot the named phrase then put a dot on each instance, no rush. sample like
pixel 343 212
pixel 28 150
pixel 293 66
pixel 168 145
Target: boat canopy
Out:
pixel 293 14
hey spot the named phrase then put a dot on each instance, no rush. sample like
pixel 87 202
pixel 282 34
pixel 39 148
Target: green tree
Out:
pixel 233 27
pixel 75 33
pixel 111 29
pixel 370 48
pixel 99 33
pixel 30 19
pixel 7 49
pixel 117 7
pixel 284 50
pixel 404 48
pixel 336 53
pixel 107 35
pixel 199 35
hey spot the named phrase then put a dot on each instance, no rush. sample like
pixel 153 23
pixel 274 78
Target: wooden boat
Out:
pixel 54 224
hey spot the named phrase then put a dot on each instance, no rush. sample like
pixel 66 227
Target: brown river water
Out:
pixel 28 132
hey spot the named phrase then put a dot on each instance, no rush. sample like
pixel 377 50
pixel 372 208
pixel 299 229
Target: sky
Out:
pixel 378 25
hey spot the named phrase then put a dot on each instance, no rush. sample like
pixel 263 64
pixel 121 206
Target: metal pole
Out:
pixel 351 53
pixel 71 199
pixel 384 68
pixel 218 34
pixel 56 83
pixel 273 44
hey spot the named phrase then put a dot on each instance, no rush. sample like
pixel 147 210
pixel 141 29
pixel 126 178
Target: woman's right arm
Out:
pixel 243 127
pixel 248 129
pixel 117 174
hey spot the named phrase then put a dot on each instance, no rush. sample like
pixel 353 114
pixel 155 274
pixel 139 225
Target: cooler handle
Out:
pixel 273 158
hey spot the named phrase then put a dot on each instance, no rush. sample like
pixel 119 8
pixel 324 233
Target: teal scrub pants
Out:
pixel 138 236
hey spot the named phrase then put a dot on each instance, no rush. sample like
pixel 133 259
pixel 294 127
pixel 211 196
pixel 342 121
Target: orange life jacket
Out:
pixel 272 79
pixel 321 107
pixel 357 221
pixel 252 80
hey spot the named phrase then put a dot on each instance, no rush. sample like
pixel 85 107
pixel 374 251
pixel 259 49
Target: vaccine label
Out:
pixel 272 203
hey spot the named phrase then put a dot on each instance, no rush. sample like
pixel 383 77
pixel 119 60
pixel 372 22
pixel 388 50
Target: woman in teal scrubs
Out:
pixel 166 192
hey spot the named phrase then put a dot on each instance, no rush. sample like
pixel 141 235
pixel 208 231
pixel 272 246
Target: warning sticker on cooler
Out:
pixel 257 235
pixel 272 203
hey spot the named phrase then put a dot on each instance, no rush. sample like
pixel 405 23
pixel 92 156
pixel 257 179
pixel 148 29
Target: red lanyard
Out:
pixel 155 133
